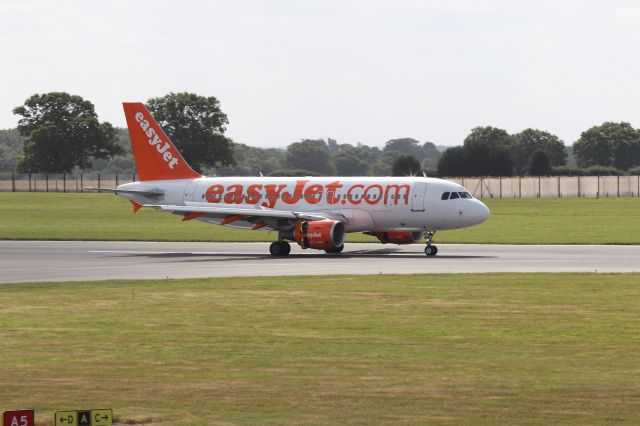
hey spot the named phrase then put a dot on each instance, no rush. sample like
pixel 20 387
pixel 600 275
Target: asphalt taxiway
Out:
pixel 24 261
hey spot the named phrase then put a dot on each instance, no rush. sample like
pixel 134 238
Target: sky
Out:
pixel 352 70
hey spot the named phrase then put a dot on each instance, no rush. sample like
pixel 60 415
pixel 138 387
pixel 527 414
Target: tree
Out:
pixel 349 162
pixel 407 146
pixel 196 126
pixel 62 132
pixel 308 154
pixel 486 160
pixel 452 162
pixel 405 165
pixel 491 136
pixel 540 164
pixel 488 152
pixel 531 140
pixel 251 160
pixel 610 144
pixel 11 145
pixel 431 156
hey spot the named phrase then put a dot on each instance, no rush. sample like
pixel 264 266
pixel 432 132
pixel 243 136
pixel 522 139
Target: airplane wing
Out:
pixel 230 214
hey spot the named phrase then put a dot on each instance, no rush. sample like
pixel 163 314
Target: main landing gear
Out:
pixel 430 249
pixel 280 248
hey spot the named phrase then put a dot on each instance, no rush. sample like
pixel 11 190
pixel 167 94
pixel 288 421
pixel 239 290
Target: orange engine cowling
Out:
pixel 399 237
pixel 320 234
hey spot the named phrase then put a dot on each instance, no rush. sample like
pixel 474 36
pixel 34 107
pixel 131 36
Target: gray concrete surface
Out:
pixel 23 261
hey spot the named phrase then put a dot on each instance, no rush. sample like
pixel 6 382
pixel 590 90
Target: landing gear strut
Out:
pixel 430 249
pixel 279 248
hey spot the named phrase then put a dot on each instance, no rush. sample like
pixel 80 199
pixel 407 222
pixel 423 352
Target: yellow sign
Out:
pixel 66 418
pixel 103 417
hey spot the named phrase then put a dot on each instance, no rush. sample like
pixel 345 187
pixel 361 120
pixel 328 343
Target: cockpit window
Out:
pixel 464 195
pixel 445 196
pixel 454 195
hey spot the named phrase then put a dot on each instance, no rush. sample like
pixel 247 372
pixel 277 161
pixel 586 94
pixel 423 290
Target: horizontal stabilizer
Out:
pixel 146 193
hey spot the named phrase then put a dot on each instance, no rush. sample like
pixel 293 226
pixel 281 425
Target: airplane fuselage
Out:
pixel 369 204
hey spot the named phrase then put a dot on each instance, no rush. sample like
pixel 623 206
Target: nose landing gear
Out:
pixel 430 249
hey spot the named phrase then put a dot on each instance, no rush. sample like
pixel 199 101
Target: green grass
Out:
pixel 519 221
pixel 425 349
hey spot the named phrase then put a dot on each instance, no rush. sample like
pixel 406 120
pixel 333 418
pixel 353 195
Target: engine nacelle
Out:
pixel 320 234
pixel 400 237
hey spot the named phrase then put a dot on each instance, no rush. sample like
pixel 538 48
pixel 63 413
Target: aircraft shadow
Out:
pixel 375 254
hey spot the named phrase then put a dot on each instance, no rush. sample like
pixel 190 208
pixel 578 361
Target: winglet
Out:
pixel 136 206
pixel 156 157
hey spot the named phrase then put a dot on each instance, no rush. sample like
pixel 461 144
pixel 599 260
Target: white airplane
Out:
pixel 314 212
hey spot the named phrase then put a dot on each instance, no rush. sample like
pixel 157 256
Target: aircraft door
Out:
pixel 417 196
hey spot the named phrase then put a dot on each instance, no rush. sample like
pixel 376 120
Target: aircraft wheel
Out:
pixel 286 248
pixel 336 250
pixel 430 250
pixel 279 248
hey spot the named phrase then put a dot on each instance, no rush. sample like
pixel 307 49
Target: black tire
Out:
pixel 430 250
pixel 286 248
pixel 275 249
pixel 279 248
pixel 335 250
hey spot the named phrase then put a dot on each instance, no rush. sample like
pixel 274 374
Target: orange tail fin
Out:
pixel 156 157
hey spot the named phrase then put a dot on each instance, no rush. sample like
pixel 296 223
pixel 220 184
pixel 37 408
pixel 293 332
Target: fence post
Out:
pixel 618 186
pixel 559 195
pixel 64 182
pixel 598 191
pixel 98 181
pixel 500 187
pixel 81 183
pixel 481 188
pixel 29 182
pixel 35 183
pixel 13 182
pixel 519 186
pixel 539 186
pixel 578 186
pixel 134 177
pixel 116 179
pixel 46 184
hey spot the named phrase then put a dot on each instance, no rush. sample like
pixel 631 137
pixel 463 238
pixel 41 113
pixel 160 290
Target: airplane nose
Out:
pixel 482 211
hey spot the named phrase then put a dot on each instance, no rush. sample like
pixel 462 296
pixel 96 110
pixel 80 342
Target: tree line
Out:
pixel 610 148
pixel 61 133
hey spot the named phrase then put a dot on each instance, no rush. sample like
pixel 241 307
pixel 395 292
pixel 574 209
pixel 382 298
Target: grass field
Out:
pixel 519 221
pixel 430 349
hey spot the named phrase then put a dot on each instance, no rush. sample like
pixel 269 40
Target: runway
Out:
pixel 25 261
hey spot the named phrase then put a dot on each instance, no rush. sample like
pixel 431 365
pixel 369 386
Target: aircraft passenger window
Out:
pixel 454 195
pixel 445 195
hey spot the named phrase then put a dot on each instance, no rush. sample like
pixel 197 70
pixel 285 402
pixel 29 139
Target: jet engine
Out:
pixel 400 237
pixel 320 234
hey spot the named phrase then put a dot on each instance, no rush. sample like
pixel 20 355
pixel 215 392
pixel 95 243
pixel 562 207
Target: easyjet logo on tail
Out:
pixel 154 140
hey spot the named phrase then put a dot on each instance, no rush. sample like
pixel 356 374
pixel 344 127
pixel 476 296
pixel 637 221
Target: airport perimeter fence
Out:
pixel 61 182
pixel 482 187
